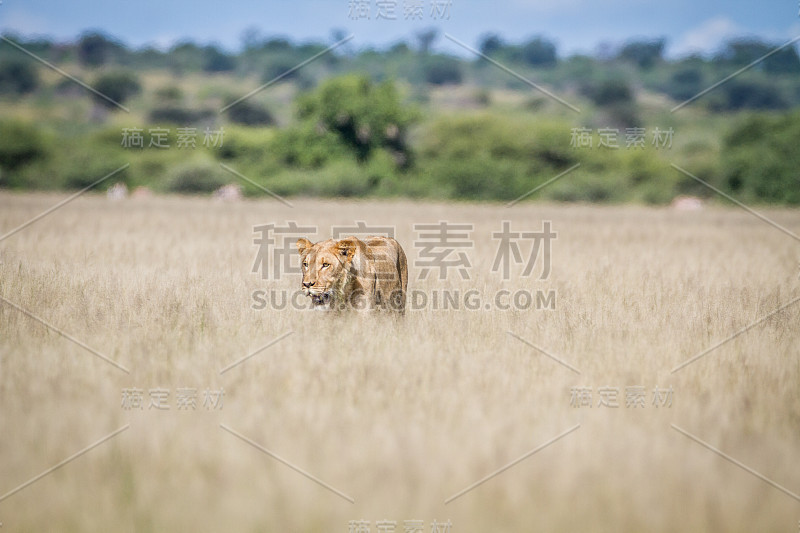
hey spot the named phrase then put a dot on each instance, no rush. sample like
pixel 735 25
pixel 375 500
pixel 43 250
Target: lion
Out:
pixel 368 274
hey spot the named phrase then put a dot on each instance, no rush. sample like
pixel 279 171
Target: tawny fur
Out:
pixel 351 273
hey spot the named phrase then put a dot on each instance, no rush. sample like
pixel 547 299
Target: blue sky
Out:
pixel 575 25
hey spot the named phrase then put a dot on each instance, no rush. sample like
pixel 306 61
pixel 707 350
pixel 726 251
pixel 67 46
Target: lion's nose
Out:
pixel 308 284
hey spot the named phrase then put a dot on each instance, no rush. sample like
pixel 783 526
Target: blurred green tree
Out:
pixel 442 70
pixel 95 48
pixel 18 76
pixel 643 53
pixel 250 113
pixel 22 144
pixel 491 44
pixel 608 92
pixel 538 52
pixel 215 60
pixel 119 86
pixel 425 40
pixel 364 116
pixel 760 159
pixel 749 93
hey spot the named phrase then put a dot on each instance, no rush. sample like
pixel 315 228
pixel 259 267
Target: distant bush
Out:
pixel 623 115
pixel 538 52
pixel 118 86
pixel 644 54
pixel 743 51
pixel 18 76
pixel 21 144
pixel 282 66
pixel 362 115
pixel 442 70
pixel 616 97
pixel 749 94
pixel 185 56
pixel 169 93
pixel 86 165
pixel 308 146
pixel 249 113
pixel 196 177
pixel 608 92
pixel 491 157
pixel 684 83
pixel 760 159
pixel 215 60
pixel 182 116
pixel 491 44
pixel 342 178
pixel 95 49
pixel 253 147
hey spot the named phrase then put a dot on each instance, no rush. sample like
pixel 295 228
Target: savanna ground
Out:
pixel 399 415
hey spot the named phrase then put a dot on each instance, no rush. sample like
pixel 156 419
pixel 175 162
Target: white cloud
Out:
pixel 706 37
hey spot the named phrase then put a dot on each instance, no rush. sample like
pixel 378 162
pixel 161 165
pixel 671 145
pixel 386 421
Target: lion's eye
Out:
pixel 305 265
pixel 325 265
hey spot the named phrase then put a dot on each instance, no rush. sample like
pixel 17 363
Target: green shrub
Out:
pixel 609 92
pixel 362 116
pixel 21 144
pixel 442 70
pixel 199 176
pixel 216 60
pixel 308 147
pixel 644 54
pixel 750 94
pixel 685 83
pixel 283 67
pixel 95 49
pixel 760 159
pixel 250 113
pixel 584 186
pixel 539 52
pixel 86 164
pixel 118 86
pixel 490 156
pixel 170 93
pixel 18 76
pixel 339 179
pixel 182 116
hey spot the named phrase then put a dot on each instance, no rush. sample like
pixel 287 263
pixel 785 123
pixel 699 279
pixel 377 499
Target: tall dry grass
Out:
pixel 400 415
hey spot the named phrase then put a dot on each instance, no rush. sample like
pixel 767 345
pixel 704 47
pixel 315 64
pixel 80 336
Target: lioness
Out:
pixel 367 274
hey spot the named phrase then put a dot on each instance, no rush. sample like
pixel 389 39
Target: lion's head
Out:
pixel 326 268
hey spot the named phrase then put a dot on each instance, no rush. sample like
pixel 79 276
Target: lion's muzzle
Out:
pixel 321 298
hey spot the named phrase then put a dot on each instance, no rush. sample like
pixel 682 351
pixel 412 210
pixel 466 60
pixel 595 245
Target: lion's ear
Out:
pixel 347 247
pixel 303 245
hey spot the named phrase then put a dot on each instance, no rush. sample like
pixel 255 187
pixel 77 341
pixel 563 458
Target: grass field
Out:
pixel 402 415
